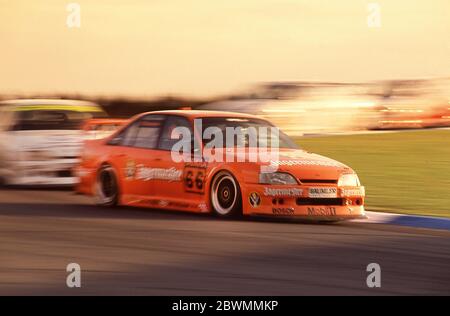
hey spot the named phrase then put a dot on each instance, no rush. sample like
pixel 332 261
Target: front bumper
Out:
pixel 306 218
pixel 333 204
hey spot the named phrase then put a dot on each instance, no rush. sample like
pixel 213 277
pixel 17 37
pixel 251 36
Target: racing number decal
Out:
pixel 194 179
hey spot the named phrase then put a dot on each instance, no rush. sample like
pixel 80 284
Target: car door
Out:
pixel 182 184
pixel 134 158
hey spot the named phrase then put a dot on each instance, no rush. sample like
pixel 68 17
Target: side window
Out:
pixel 170 136
pixel 147 131
pixel 129 134
pixel 143 133
pixel 125 137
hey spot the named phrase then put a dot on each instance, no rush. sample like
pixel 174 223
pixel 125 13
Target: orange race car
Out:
pixel 219 162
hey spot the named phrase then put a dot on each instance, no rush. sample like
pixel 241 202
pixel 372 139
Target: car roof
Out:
pixel 105 121
pixel 203 113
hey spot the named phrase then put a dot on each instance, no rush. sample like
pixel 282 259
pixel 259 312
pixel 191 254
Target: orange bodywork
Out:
pixel 94 124
pixel 100 128
pixel 151 178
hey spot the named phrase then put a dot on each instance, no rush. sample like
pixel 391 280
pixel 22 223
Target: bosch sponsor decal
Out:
pixel 288 192
pixel 322 192
pixel 146 173
pixel 283 210
pixel 254 199
pixel 322 211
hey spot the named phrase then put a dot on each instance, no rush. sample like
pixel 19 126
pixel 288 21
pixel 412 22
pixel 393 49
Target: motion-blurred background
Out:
pixel 364 82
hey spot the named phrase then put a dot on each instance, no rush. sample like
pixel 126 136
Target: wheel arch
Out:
pixel 114 168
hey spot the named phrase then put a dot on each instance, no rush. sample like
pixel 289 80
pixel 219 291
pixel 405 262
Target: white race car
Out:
pixel 40 140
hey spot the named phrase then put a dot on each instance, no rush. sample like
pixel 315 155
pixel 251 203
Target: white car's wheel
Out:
pixel 226 195
pixel 106 188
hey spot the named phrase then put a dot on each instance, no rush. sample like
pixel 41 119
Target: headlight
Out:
pixel 349 180
pixel 276 178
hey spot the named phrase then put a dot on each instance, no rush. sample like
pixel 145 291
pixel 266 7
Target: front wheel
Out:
pixel 106 188
pixel 226 195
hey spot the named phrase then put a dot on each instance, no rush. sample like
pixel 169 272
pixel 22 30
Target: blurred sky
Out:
pixel 208 47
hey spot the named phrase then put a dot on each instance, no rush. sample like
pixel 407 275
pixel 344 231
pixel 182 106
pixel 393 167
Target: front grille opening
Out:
pixel 320 201
pixel 318 181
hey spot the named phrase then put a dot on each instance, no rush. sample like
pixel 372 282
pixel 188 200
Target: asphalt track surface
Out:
pixel 129 251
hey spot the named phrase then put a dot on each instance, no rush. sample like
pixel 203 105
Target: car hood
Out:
pixel 308 166
pixel 301 164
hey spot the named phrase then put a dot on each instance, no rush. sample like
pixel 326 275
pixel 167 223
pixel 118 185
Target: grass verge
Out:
pixel 403 172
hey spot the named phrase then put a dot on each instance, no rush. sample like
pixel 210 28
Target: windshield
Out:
pixel 52 119
pixel 242 129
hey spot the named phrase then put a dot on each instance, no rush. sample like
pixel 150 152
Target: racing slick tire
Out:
pixel 225 195
pixel 106 188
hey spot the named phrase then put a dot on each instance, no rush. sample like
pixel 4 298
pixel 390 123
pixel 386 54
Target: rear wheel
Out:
pixel 226 195
pixel 107 191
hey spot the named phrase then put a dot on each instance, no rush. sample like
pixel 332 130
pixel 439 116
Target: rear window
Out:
pixel 52 119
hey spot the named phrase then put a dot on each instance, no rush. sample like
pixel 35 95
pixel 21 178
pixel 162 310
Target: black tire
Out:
pixel 225 195
pixel 106 188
